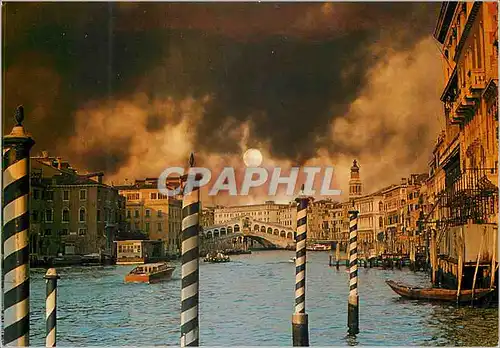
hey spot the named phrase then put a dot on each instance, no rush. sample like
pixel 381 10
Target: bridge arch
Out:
pixel 216 233
pixel 236 228
pixel 222 231
pixel 283 234
pixel 263 229
pixel 289 235
pixel 209 234
pixel 256 228
pixel 269 230
pixel 276 232
pixel 229 229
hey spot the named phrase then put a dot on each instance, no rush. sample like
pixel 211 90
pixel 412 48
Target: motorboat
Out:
pixel 216 258
pixel 150 273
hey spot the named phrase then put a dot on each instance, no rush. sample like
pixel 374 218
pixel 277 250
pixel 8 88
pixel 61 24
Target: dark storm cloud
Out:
pixel 281 66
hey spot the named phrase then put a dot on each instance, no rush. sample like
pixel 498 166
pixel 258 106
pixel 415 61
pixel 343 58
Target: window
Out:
pixel 148 213
pixel 136 225
pixel 65 195
pixel 98 215
pixel 49 216
pixel 36 194
pixel 128 214
pixel 153 195
pixel 83 195
pixel 65 215
pixel 82 215
pixel 34 215
pixel 160 213
pixel 132 196
pixel 49 195
pixel 136 215
pixel 82 231
pixel 147 226
pixel 64 232
pixel 159 226
pixel 48 232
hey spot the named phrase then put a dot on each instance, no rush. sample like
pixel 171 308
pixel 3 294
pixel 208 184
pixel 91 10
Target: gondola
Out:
pixel 436 294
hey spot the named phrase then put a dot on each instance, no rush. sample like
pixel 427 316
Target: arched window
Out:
pixel 65 215
pixel 380 206
pixel 380 222
pixel 82 215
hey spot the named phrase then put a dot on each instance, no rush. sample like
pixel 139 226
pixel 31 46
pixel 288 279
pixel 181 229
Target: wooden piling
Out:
pixel 477 266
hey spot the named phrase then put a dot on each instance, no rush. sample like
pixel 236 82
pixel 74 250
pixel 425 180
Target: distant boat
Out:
pixel 292 259
pixel 150 273
pixel 436 294
pixel 319 247
pixel 216 258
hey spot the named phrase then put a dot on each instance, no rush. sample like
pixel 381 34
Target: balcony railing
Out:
pixel 471 196
pixel 476 80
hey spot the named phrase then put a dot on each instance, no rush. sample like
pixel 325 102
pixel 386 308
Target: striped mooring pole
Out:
pixel 190 265
pixel 51 307
pixel 15 235
pixel 300 329
pixel 353 305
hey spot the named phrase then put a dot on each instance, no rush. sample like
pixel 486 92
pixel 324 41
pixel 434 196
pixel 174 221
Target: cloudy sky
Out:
pixel 132 88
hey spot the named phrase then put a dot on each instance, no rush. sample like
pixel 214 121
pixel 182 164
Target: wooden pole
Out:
pixel 477 266
pixel 300 328
pixel 15 235
pixel 460 250
pixel 433 256
pixel 493 258
pixel 353 301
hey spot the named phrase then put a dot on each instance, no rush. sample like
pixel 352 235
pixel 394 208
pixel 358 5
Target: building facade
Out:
pixel 71 213
pixel 324 220
pixel 464 169
pixel 157 216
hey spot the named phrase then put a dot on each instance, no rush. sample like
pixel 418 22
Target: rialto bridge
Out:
pixel 266 233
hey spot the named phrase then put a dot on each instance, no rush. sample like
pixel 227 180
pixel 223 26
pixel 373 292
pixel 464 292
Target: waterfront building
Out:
pixel 156 215
pixel 324 220
pixel 463 183
pixel 394 208
pixel 370 221
pixel 282 214
pixel 207 217
pixel 72 213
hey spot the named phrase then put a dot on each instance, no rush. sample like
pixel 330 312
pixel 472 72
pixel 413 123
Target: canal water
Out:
pixel 249 302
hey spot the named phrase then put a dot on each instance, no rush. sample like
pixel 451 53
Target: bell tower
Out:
pixel 355 187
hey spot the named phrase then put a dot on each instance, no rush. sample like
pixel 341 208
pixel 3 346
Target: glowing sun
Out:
pixel 252 158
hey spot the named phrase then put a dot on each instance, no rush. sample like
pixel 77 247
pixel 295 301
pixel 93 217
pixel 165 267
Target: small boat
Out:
pixel 318 247
pixel 292 259
pixel 436 294
pixel 150 273
pixel 216 258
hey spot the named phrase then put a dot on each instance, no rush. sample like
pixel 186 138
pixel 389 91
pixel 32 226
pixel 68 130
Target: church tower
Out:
pixel 355 187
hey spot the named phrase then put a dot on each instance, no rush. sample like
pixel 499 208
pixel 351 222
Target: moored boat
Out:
pixel 292 259
pixel 150 273
pixel 437 294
